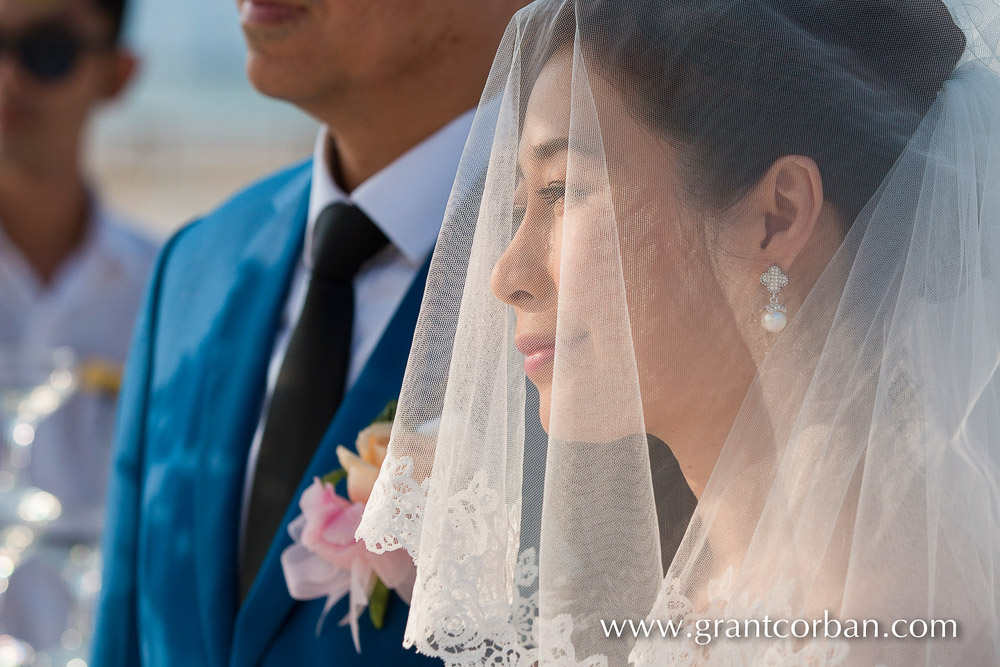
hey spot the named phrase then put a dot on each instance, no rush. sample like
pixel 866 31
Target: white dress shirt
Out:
pixel 89 306
pixel 407 201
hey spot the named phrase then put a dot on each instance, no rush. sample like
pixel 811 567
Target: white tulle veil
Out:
pixel 664 456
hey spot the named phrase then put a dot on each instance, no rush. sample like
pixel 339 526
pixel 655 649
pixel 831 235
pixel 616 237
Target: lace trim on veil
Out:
pixel 723 605
pixel 395 509
pixel 469 615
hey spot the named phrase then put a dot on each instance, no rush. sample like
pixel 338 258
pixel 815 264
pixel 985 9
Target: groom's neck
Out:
pixel 381 129
pixel 376 121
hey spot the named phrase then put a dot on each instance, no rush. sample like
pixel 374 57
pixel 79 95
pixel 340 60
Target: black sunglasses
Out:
pixel 49 51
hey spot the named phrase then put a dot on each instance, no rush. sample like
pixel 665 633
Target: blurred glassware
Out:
pixel 34 383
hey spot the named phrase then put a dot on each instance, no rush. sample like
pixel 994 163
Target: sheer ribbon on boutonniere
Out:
pixel 325 559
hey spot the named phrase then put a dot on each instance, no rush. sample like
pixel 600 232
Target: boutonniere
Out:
pixel 325 559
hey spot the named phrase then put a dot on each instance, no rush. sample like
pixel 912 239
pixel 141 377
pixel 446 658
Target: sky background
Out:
pixel 192 130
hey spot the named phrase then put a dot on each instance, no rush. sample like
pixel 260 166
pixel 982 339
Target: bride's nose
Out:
pixel 523 276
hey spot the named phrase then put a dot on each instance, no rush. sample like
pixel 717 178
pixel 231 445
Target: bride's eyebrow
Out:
pixel 550 148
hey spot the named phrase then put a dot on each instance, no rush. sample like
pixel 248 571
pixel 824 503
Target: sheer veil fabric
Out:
pixel 634 168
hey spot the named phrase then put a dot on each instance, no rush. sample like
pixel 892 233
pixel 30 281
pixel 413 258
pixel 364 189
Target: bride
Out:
pixel 756 240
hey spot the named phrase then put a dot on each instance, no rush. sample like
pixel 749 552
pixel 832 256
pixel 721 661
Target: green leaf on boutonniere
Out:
pixel 378 602
pixel 388 414
pixel 334 478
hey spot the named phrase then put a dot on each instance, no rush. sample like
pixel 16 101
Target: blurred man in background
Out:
pixel 70 273
pixel 278 327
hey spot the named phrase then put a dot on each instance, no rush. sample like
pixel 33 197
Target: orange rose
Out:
pixel 373 442
pixel 362 468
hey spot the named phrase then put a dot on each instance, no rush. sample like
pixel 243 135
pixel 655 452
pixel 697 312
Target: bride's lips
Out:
pixel 538 351
pixel 270 12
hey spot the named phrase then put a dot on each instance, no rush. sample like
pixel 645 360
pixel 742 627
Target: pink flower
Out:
pixel 330 523
pixel 326 560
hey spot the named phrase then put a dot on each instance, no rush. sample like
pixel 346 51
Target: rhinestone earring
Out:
pixel 774 318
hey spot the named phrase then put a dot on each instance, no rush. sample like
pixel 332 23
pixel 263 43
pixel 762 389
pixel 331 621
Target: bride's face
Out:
pixel 611 276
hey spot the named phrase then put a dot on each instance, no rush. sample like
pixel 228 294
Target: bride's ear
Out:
pixel 788 201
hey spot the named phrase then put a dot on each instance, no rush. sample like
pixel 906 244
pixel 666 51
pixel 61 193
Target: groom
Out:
pixel 278 327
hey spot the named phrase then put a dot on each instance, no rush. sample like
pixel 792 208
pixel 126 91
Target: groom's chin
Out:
pixel 282 78
pixel 267 74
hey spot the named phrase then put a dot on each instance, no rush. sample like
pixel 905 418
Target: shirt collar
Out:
pixel 406 199
pixel 99 246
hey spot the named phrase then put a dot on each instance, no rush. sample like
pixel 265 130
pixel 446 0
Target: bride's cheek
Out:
pixel 555 251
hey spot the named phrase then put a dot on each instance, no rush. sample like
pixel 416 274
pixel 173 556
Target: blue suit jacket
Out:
pixel 188 410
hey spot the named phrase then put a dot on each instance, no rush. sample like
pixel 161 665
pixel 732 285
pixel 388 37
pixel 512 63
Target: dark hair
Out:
pixel 115 10
pixel 845 82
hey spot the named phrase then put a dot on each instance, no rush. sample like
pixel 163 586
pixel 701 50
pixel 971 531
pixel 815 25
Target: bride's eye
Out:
pixel 553 193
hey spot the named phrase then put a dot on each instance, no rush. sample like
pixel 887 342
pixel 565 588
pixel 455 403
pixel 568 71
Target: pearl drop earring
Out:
pixel 774 318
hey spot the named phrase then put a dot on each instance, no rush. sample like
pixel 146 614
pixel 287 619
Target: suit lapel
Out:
pixel 236 361
pixel 268 603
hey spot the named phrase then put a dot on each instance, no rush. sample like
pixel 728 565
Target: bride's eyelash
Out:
pixel 553 193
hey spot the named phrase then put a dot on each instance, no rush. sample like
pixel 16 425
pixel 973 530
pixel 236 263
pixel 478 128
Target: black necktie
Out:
pixel 312 378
